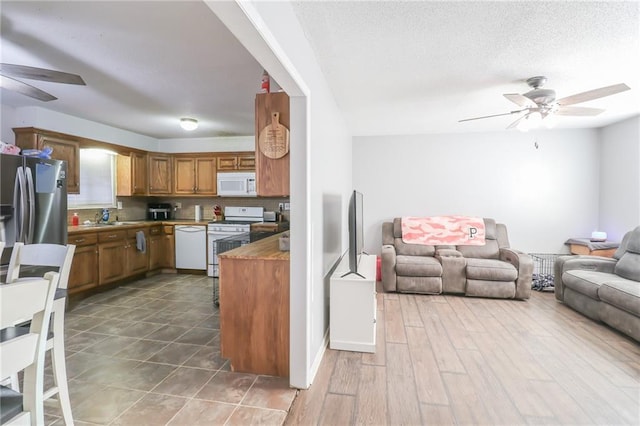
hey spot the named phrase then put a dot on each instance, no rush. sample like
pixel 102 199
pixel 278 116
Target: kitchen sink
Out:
pixel 98 225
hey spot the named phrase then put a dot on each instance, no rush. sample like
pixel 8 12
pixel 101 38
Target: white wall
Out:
pixel 220 144
pixel 544 195
pixel 320 168
pixel 7 118
pixel 620 178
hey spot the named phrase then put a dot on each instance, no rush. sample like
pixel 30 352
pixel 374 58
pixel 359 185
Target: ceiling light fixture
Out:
pixel 189 123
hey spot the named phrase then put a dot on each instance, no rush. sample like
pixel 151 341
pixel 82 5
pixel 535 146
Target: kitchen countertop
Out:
pixel 264 249
pixel 132 224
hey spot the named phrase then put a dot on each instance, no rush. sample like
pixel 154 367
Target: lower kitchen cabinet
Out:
pixel 112 257
pixel 84 268
pixel 137 262
pixel 161 248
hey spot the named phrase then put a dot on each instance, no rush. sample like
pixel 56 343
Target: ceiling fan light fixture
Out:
pixel 188 124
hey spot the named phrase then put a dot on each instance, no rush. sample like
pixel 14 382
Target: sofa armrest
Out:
pixel 388 268
pixel 582 262
pixel 524 265
pixel 454 276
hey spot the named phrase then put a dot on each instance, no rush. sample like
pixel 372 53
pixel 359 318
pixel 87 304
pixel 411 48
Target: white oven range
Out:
pixel 237 221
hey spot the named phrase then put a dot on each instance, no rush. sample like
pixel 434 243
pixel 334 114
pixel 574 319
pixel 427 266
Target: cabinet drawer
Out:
pixel 131 233
pixel 83 239
pixel 168 229
pixel 105 237
pixel 155 230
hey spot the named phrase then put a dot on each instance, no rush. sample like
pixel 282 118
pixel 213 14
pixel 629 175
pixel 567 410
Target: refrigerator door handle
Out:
pixel 19 204
pixel 32 205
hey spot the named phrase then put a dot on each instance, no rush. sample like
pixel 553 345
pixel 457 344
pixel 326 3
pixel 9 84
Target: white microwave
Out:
pixel 237 184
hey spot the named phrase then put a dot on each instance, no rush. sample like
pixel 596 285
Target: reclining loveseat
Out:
pixel 490 270
pixel 604 289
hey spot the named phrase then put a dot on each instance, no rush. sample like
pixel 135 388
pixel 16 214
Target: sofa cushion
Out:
pixel 628 265
pixel 418 266
pixel 491 270
pixel 586 282
pixel 621 293
pixel 413 249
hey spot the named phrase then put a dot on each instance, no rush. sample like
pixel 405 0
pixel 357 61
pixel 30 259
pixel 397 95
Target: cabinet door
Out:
pixel 246 162
pixel 68 151
pixel 168 257
pixel 137 261
pixel 155 252
pixel 206 176
pixel 139 173
pixel 184 175
pixel 227 164
pixel 159 174
pixel 84 268
pixel 112 261
pixel 272 175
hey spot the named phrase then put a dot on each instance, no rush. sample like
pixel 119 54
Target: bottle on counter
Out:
pixel 75 220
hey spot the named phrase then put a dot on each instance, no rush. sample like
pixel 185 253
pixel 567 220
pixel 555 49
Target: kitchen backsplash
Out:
pixel 135 208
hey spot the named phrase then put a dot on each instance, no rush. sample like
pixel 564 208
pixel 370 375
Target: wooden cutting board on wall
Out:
pixel 272 174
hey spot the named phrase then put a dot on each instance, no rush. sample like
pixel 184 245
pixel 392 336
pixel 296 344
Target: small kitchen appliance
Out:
pixel 158 211
pixel 237 184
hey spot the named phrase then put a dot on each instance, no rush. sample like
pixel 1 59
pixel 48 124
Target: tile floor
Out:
pixel 148 353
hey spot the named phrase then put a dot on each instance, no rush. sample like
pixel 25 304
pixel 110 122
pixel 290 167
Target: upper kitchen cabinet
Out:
pixel 65 147
pixel 132 174
pixel 194 175
pixel 272 168
pixel 235 162
pixel 160 173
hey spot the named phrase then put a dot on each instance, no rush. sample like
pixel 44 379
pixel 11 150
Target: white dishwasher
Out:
pixel 191 247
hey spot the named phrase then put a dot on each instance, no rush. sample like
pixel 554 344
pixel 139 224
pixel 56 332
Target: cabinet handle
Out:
pixel 79 240
pixel 113 236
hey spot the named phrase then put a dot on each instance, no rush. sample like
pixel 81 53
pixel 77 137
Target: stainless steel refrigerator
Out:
pixel 33 202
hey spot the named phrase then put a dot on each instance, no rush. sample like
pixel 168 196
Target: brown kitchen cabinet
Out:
pixel 112 256
pixel 194 175
pixel 160 173
pixel 131 174
pixel 136 261
pixel 240 162
pixel 272 175
pixel 161 248
pixel 65 147
pixel 84 268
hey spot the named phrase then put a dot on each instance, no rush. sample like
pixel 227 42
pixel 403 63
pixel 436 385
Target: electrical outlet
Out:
pixel 178 205
pixel 287 206
pixel 281 206
pixel 119 205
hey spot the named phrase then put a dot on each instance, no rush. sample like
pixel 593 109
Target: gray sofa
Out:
pixel 492 270
pixel 604 289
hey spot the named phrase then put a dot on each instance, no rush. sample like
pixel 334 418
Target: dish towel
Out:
pixel 141 242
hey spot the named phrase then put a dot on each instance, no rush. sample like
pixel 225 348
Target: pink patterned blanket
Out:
pixel 443 230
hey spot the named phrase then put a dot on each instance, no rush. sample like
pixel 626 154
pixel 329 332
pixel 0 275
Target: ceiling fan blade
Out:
pixel 593 94
pixel 494 115
pixel 521 100
pixel 33 73
pixel 578 111
pixel 25 89
pixel 515 123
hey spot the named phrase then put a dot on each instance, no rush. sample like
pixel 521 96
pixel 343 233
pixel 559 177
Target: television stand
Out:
pixel 352 306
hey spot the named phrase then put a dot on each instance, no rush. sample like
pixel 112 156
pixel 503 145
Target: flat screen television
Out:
pixel 356 233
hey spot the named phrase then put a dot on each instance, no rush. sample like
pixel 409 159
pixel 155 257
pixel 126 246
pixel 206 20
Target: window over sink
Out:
pixel 97 180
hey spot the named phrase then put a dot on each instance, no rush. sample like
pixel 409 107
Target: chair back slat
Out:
pixel 54 255
pixel 22 300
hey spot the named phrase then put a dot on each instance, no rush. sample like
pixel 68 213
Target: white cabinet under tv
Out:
pixel 352 306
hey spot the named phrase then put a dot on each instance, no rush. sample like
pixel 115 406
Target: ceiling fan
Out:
pixel 9 71
pixel 538 103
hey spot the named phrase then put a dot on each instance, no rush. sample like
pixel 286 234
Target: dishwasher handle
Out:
pixel 188 228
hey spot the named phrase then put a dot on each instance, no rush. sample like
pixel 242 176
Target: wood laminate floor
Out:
pixel 458 360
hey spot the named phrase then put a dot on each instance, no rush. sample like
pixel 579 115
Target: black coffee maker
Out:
pixel 158 211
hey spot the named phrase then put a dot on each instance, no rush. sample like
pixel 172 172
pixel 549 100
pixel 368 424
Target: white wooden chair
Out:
pixel 58 257
pixel 30 300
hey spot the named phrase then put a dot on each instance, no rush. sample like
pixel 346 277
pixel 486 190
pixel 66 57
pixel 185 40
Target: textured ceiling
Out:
pixel 394 67
pixel 419 67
